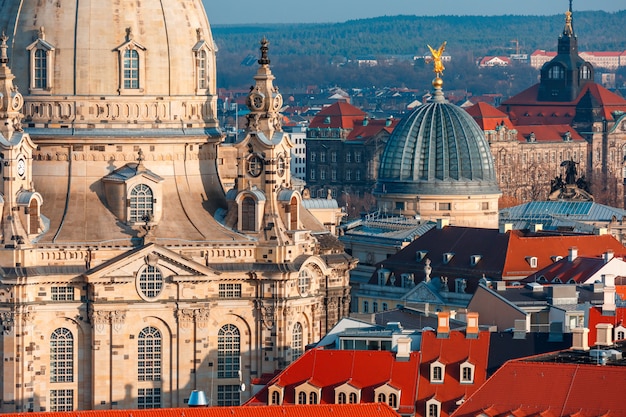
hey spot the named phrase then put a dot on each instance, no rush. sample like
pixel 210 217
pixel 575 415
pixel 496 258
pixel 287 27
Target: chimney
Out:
pixel 471 331
pixel 580 338
pixel 604 333
pixel 520 329
pixel 608 306
pixel 404 349
pixel 441 223
pixel 506 227
pixel 608 255
pixel 500 285
pixel 601 231
pixel 537 227
pixel 573 254
pixel 443 325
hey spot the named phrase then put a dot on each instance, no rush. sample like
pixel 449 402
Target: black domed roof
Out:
pixel 437 149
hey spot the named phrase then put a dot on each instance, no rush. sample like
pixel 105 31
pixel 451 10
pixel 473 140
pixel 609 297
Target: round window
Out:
pixel 150 282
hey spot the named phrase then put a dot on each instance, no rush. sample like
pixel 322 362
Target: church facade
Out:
pixel 129 274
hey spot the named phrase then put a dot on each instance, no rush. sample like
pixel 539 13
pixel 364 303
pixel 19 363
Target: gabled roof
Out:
pixel 335 410
pixel 371 128
pixel 524 388
pixel 525 109
pixel 547 133
pixel 366 370
pixel 340 115
pixel 500 255
pixel 488 117
pixel 596 317
pixel 582 270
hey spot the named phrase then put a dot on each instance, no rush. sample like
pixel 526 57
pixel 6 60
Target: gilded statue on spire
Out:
pixel 436 55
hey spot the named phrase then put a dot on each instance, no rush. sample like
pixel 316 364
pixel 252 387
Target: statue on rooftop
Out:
pixel 436 55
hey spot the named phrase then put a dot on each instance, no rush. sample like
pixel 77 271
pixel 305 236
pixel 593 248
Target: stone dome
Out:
pixel 110 63
pixel 438 149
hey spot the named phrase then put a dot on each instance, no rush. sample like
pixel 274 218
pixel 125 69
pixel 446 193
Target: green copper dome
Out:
pixel 437 150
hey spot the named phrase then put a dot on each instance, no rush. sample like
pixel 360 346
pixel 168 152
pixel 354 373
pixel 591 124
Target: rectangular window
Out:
pixel 485 205
pixel 313 156
pixel 131 69
pixel 323 157
pixel 149 398
pixel 348 175
pixel 399 205
pixel 230 291
pixel 227 395
pixel 322 174
pixel 348 157
pixel 62 293
pixel 333 174
pixel 333 157
pixel 312 176
pixel 357 157
pixel 467 374
pixel 61 400
pixel 41 70
pixel 445 206
pixel 357 175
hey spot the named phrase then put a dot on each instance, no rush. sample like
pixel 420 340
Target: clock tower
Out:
pixel 21 205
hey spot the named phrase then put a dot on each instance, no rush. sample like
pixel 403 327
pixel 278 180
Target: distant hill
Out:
pixel 404 35
pixel 309 54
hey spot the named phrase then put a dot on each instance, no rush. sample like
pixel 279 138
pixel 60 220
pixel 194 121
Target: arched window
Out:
pixel 393 400
pixel 275 398
pixel 313 398
pixel 150 281
pixel 248 214
pixel 556 72
pixel 293 209
pixel 433 410
pixel 131 69
pixel 228 351
pixel 61 356
pixel 141 203
pixel 341 398
pixel 382 398
pixel 40 67
pixel 353 398
pixel 585 73
pixel 304 281
pixel 302 397
pixel 620 335
pixel 149 354
pixel 296 341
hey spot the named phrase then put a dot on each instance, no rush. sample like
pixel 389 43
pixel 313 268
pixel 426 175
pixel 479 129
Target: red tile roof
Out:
pixel 544 247
pixel 522 389
pixel 451 352
pixel 525 109
pixel 373 127
pixel 578 271
pixel 366 370
pixel 334 410
pixel 488 117
pixel 547 133
pixel 341 115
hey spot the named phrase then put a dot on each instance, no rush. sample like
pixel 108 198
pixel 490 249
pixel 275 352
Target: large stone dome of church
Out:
pixel 128 64
pixel 437 149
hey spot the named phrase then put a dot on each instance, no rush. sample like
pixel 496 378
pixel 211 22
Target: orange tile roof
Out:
pixel 341 115
pixel 549 389
pixel 547 133
pixel 545 247
pixel 334 410
pixel 488 117
pixel 372 128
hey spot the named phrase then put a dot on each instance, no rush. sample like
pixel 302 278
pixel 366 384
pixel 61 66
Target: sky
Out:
pixel 225 12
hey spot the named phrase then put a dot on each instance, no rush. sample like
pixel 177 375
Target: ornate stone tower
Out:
pixel 140 280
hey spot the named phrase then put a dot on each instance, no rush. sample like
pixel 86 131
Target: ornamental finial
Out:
pixel 264 48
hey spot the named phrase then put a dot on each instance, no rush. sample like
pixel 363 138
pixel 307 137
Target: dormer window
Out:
pixel 437 370
pixel 467 373
pixel 41 64
pixel 141 203
pixel 132 65
pixel 532 261
pixel 585 72
pixel 447 257
pixel 474 259
pixel 433 408
pixel 202 55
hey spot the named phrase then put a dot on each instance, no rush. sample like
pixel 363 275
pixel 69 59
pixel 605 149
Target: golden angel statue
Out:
pixel 436 54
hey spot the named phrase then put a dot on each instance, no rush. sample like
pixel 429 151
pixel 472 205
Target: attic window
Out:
pixel 327 120
pixel 556 258
pixel 447 257
pixel 474 259
pixel 542 279
pixel 467 373
pixel 557 281
pixel 437 370
pixel 420 254
pixel 532 261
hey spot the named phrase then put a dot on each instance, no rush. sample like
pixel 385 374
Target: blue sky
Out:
pixel 321 11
